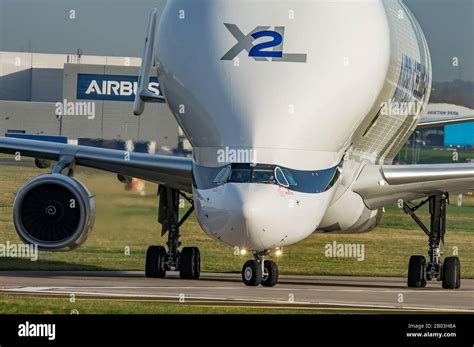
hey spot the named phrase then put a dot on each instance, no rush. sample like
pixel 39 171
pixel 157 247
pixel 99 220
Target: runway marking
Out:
pixel 220 300
pixel 50 290
pixel 347 295
pixel 435 291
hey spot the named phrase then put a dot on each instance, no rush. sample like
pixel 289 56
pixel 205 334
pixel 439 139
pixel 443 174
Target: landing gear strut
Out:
pixel 158 259
pixel 420 271
pixel 260 271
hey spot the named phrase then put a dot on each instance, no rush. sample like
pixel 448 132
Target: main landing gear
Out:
pixel 419 271
pixel 260 271
pixel 158 259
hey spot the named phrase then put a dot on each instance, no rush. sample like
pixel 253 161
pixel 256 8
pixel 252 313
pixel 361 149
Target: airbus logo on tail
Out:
pixel 261 51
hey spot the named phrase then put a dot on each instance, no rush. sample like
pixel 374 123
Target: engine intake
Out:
pixel 55 212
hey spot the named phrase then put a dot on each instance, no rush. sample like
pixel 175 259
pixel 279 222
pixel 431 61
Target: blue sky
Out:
pixel 117 27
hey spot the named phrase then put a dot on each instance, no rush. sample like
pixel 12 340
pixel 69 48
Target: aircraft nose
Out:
pixel 254 217
pixel 273 216
pixel 260 216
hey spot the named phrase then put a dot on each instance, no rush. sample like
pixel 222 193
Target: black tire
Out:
pixel 197 263
pixel 417 272
pixel 252 273
pixel 155 262
pixel 271 277
pixel 451 273
pixel 190 263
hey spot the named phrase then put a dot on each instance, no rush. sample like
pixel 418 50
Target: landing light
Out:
pixel 243 252
pixel 279 252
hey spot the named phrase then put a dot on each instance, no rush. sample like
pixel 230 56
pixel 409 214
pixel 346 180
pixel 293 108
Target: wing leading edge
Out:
pixel 441 121
pixel 175 172
pixel 385 185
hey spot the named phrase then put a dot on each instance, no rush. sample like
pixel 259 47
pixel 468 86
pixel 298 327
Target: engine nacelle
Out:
pixel 55 212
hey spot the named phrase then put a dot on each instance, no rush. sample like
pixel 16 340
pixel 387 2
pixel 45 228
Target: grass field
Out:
pixel 126 220
pixel 21 304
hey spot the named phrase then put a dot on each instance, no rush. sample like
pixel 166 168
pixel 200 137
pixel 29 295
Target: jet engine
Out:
pixel 55 212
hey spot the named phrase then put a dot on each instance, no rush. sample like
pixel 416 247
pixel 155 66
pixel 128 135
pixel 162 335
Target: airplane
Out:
pixel 288 106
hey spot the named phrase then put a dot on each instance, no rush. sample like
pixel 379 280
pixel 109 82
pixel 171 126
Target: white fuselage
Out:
pixel 297 85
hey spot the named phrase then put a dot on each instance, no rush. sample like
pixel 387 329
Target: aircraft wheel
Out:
pixel 270 276
pixel 451 273
pixel 190 263
pixel 155 262
pixel 252 273
pixel 197 263
pixel 417 271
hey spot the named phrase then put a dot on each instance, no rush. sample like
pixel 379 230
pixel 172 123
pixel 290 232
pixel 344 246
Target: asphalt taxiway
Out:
pixel 326 293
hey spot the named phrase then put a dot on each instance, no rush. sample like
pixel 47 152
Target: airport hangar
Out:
pixel 454 135
pixel 33 85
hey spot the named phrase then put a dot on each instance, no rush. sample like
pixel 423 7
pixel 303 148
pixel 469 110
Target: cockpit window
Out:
pixel 281 178
pixel 222 175
pixel 315 181
pixel 240 175
pixel 263 176
pixel 289 177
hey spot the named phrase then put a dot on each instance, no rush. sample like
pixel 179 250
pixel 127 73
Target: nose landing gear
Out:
pixel 260 271
pixel 419 271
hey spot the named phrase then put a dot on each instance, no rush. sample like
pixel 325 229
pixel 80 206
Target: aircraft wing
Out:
pixel 172 171
pixel 387 184
pixel 429 122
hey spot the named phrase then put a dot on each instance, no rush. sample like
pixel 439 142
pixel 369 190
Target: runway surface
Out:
pixel 319 293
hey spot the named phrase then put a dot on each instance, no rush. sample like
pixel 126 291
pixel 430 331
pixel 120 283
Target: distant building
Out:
pixel 448 135
pixel 85 99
